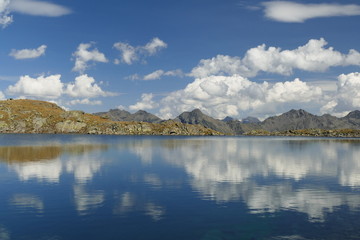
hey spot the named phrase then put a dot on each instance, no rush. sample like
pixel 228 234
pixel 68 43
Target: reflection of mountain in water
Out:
pixel 46 163
pixel 228 169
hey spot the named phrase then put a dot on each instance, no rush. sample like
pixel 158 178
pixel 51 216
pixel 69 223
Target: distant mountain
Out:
pixel 250 120
pixel 300 119
pixel 291 120
pixel 197 117
pixel 125 116
pixel 228 119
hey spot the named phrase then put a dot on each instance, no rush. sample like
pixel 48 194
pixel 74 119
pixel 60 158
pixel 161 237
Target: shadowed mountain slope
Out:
pixel 122 115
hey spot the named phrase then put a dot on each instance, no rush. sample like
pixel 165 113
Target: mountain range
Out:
pixel 32 116
pixel 291 120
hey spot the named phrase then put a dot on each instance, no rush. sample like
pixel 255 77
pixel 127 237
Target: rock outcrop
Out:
pixel 32 116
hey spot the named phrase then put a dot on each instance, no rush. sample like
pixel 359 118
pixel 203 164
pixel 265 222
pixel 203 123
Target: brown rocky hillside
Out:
pixel 32 116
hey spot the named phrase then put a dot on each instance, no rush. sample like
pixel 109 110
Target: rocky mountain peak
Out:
pixel 228 119
pixel 353 114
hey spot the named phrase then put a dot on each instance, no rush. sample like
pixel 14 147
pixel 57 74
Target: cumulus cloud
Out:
pixel 146 102
pixel 83 55
pixel 38 8
pixel 130 54
pixel 346 97
pixel 42 87
pixel 286 11
pixel 154 46
pixel 28 53
pixel 313 57
pixel 221 96
pixel 86 87
pixel 2 96
pixel 5 18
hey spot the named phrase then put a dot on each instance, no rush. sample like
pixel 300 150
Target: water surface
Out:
pixel 64 187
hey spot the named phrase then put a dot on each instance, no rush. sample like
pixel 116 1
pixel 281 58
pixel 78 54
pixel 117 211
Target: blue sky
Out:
pixel 225 57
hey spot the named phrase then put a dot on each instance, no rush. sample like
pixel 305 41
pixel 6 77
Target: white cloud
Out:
pixel 313 57
pixel 41 87
pixel 5 18
pixel 347 96
pixel 83 56
pixel 154 46
pixel 28 53
pixel 221 96
pixel 160 73
pixel 85 101
pixel 130 54
pixel 52 87
pixel 133 77
pixel 38 8
pixel 154 75
pixel 85 86
pixel 2 96
pixel 146 102
pixel 286 11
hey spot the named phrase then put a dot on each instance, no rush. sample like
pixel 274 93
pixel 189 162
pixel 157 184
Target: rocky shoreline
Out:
pixel 336 133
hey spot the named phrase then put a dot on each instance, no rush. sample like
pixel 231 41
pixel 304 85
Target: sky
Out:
pixel 225 57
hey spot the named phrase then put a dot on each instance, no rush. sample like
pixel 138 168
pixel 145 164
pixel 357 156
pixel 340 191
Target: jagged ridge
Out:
pixel 32 116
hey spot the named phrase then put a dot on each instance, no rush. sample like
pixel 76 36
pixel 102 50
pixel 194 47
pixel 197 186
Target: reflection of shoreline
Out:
pixel 46 163
pixel 18 154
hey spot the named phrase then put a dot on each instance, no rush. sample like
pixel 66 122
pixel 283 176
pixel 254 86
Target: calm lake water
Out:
pixel 65 187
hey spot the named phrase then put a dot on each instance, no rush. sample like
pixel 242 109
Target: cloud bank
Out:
pixel 222 96
pixel 28 53
pixel 312 57
pixel 292 12
pixel 222 86
pixel 130 54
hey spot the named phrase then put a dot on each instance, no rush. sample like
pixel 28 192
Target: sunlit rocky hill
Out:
pixel 32 116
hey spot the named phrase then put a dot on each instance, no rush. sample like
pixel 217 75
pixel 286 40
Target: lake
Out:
pixel 64 187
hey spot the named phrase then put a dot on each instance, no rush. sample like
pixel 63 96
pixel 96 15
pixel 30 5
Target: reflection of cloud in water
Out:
pixel 223 169
pixel 4 233
pixel 311 201
pixel 238 159
pixel 129 202
pixel 49 171
pixel 83 167
pixel 143 148
pixel 153 180
pixel 26 202
pixel 87 200
pixel 46 163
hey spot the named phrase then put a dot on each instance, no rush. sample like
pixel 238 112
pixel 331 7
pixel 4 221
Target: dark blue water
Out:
pixel 64 187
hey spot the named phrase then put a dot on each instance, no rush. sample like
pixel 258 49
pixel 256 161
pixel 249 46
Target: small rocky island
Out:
pixel 32 116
